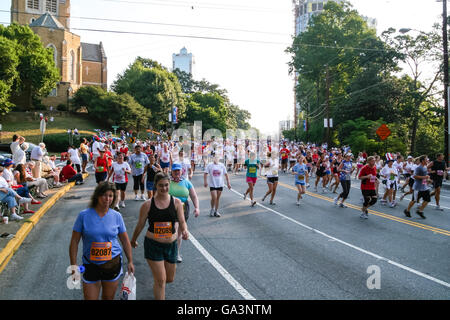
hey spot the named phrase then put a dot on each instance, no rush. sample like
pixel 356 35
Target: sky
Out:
pixel 253 68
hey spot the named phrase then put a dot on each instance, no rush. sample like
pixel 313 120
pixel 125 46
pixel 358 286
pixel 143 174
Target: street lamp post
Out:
pixel 446 78
pixel 444 36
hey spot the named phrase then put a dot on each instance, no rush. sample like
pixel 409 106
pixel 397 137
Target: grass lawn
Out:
pixel 60 125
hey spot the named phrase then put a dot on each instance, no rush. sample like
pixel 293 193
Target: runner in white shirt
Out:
pixel 272 167
pixel 389 176
pixel 399 165
pixel 410 168
pixel 215 172
pixel 229 155
pixel 73 156
pixel 293 157
pixel 97 145
pixel 186 168
pixel 119 171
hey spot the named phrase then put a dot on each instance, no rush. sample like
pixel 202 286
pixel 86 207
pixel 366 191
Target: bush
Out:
pixel 61 107
pixel 57 142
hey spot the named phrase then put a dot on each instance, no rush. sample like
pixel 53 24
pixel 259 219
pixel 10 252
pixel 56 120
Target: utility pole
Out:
pixel 446 80
pixel 327 104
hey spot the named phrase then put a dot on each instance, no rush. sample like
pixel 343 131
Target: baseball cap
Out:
pixel 176 166
pixel 8 162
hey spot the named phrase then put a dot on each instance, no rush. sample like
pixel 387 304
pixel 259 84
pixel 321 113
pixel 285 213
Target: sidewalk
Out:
pixel 20 229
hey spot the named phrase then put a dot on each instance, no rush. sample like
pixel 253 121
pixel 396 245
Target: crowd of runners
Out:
pixel 161 172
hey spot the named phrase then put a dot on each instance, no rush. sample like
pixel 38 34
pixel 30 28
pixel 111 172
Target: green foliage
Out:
pixel 152 86
pixel 210 118
pixel 56 142
pixel 112 109
pixel 360 135
pixel 37 73
pixel 8 72
pixel 206 95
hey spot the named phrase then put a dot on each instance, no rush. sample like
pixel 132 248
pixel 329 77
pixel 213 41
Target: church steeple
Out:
pixel 27 11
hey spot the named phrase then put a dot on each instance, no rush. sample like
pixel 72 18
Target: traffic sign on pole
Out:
pixel 383 132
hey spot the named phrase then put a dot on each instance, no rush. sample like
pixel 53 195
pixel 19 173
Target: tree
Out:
pixel 112 109
pixel 204 93
pixel 38 74
pixel 338 61
pixel 8 72
pixel 152 86
pixel 418 53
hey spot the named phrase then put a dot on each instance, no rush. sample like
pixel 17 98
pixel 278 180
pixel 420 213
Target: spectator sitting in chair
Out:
pixel 20 178
pixel 68 173
pixel 40 183
pixel 10 197
pixel 48 172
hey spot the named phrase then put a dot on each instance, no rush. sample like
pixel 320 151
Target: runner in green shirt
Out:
pixel 252 165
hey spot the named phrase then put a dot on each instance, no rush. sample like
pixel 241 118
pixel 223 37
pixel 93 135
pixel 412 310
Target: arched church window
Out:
pixel 72 66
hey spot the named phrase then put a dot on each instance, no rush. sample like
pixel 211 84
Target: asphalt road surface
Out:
pixel 282 252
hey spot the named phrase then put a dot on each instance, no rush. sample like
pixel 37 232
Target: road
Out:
pixel 280 252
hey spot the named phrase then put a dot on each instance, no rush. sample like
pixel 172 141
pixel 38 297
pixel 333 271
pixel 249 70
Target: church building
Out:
pixel 79 63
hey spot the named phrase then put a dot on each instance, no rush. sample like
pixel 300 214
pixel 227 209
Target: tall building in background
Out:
pixel 183 61
pixel 79 63
pixel 304 10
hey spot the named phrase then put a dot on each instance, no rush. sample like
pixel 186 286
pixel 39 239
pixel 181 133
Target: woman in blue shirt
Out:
pixel 100 228
pixel 300 170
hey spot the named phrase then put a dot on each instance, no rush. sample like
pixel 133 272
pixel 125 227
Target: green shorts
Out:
pixel 157 251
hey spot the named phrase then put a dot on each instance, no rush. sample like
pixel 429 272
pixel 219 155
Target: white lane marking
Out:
pixel 224 273
pixel 421 274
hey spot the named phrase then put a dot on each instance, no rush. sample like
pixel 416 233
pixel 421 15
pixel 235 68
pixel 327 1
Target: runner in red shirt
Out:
pixel 124 149
pixel 368 177
pixel 284 158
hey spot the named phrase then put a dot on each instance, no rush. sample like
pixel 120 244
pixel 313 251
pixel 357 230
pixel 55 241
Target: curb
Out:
pixel 13 245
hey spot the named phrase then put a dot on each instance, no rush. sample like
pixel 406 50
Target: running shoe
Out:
pixel 263 198
pixel 421 214
pixel 253 203
pixel 136 198
pixel 401 197
pixel 211 213
pixel 122 204
pixel 407 213
pixel 179 258
pixel 341 205
pixel 272 203
pixel 315 189
pixel 117 208
pixel 143 197
pixel 392 205
pixel 15 216
pixel 438 208
pixel 298 202
pixel 217 214
pixel 336 200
